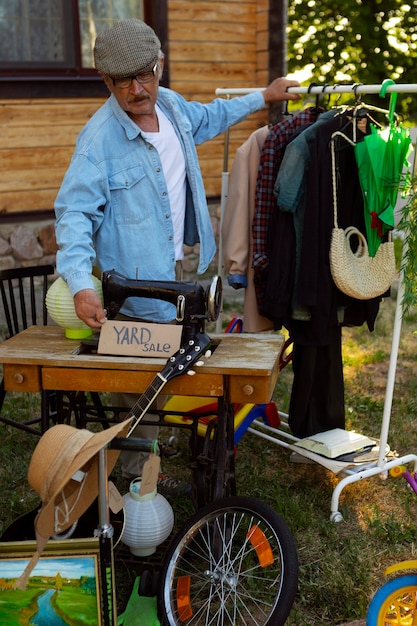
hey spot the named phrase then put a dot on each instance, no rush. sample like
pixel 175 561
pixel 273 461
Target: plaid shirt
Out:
pixel 265 202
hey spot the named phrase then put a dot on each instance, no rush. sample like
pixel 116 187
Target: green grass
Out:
pixel 341 565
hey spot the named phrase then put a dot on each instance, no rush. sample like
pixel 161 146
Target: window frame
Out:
pixel 19 82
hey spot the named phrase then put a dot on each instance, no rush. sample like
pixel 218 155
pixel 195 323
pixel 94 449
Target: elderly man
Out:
pixel 133 194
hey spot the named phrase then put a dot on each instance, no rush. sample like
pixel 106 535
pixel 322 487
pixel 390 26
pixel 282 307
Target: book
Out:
pixel 335 442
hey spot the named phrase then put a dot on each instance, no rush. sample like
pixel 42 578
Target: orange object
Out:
pixel 261 545
pixel 183 598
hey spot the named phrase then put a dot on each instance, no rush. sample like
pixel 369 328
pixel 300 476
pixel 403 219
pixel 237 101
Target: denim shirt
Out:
pixel 113 210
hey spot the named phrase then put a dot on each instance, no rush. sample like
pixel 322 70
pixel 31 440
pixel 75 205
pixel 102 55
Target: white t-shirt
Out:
pixel 173 165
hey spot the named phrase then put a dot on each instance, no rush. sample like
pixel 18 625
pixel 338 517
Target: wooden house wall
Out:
pixel 211 44
pixel 38 138
pixel 218 44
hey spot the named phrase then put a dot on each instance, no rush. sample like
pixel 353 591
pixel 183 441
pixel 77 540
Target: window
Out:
pixel 44 43
pixel 103 13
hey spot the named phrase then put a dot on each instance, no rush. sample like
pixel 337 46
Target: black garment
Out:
pixel 276 303
pixel 317 398
pixel 316 288
pixel 312 286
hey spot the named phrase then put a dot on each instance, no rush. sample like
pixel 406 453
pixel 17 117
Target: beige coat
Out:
pixel 237 225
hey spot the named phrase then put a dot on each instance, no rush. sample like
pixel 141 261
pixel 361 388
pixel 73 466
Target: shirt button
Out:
pixel 167 216
pixel 158 169
pixel 164 193
pixel 150 147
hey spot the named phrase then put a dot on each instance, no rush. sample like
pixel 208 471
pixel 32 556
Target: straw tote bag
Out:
pixel 356 273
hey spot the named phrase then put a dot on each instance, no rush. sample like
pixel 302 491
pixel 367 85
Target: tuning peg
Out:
pixel 199 363
pixel 191 373
pixel 208 354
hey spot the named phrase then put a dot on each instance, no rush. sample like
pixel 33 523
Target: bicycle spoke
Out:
pixel 230 558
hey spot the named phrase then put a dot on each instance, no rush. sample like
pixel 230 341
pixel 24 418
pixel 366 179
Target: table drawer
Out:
pixel 126 381
pixel 251 389
pixel 22 378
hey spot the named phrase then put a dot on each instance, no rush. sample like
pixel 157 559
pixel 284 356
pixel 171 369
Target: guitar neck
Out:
pixel 145 401
pixel 177 364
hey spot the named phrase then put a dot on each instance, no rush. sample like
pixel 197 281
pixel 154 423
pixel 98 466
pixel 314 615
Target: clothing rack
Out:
pixel 357 88
pixel 346 471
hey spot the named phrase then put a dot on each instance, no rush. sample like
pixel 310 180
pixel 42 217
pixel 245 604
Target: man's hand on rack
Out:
pixel 277 90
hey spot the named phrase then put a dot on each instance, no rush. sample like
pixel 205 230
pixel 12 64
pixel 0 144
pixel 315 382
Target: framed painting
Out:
pixel 63 588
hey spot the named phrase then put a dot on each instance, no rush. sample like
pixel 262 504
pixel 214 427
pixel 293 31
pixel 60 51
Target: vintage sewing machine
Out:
pixel 194 304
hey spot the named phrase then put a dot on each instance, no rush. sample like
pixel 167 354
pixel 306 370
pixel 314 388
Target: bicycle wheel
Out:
pixel 233 562
pixel 394 604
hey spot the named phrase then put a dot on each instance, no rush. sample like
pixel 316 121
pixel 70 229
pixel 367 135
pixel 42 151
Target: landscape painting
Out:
pixel 63 589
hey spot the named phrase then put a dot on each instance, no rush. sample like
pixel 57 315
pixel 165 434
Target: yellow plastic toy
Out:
pixel 244 414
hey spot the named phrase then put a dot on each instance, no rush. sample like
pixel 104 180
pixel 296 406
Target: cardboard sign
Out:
pixel 128 338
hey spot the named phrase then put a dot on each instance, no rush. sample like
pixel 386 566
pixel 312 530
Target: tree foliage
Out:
pixel 355 41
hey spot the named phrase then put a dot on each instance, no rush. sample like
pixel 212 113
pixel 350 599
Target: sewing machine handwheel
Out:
pixel 214 299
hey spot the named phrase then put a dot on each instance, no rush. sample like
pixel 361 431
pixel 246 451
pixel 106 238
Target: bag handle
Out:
pixel 362 249
pixel 334 183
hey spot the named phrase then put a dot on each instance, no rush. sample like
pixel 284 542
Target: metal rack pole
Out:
pixel 225 185
pixel 326 89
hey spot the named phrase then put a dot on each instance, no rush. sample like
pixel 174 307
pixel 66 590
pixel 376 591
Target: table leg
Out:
pixel 45 411
pixel 225 484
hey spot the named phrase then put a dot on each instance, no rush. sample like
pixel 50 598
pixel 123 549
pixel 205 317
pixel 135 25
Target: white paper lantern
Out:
pixel 149 520
pixel 60 305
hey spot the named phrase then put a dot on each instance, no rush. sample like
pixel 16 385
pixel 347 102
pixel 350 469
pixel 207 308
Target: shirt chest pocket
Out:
pixel 130 197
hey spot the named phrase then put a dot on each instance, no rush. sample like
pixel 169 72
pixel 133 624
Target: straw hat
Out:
pixel 64 471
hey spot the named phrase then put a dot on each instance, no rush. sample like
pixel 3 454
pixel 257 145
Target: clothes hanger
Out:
pixel 357 113
pixel 288 113
pixel 285 112
pixel 318 96
pixel 336 104
pixel 362 109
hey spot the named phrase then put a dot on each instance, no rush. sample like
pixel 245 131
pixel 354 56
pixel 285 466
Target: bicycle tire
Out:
pixel 234 562
pixel 394 604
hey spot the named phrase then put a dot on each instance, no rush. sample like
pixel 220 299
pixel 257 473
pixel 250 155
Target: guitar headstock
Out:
pixel 191 352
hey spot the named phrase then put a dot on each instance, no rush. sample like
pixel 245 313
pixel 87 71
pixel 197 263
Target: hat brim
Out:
pixel 68 492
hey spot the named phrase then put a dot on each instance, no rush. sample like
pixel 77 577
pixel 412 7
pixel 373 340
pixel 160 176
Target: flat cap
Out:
pixel 126 49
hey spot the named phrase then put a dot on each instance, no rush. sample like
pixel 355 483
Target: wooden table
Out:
pixel 242 369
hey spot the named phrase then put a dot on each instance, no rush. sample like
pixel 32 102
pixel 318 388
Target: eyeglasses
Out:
pixel 142 78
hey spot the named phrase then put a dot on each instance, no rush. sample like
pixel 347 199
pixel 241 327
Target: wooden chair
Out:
pixel 23 291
